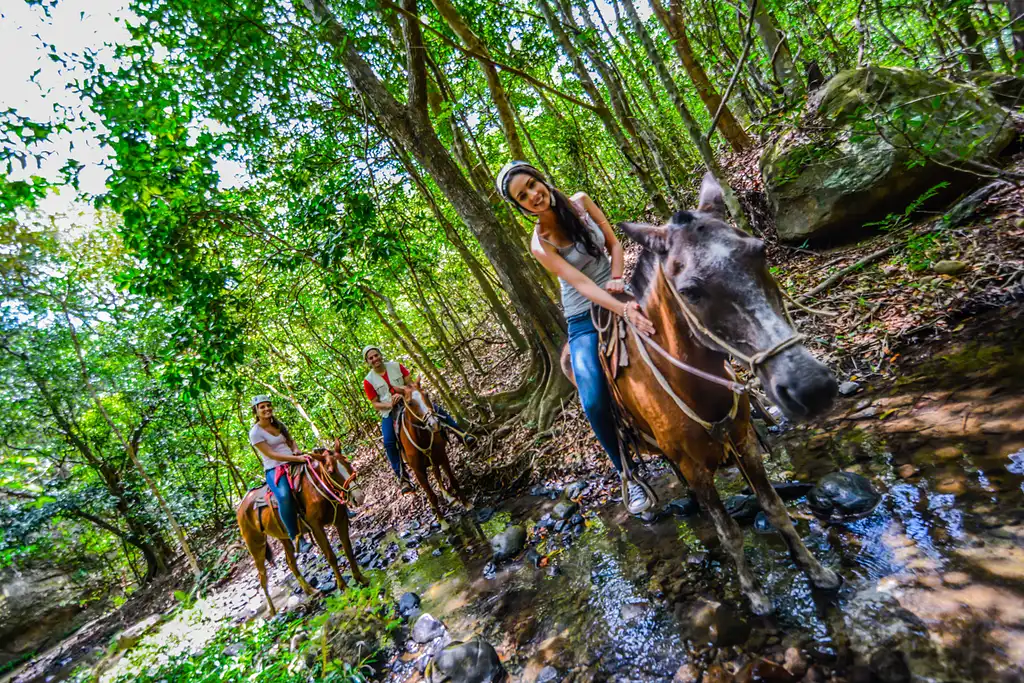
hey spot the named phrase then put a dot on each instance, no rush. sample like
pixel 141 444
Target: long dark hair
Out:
pixel 565 215
pixel 279 426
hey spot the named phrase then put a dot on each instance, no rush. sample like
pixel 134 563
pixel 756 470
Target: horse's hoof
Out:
pixel 760 604
pixel 829 581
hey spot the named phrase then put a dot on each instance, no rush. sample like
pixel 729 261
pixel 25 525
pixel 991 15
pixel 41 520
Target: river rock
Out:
pixel 763 670
pixel 564 509
pixel 848 388
pixel 472 662
pixel 843 496
pixel 687 673
pixel 408 605
pixel 683 507
pixel 949 267
pixel 508 543
pixel 742 507
pixel 714 623
pixel 548 674
pixel 762 524
pixel 426 629
pixel 847 167
pixel 483 514
pixel 575 489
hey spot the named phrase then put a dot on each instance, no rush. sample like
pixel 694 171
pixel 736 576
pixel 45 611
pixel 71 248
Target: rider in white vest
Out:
pixel 378 384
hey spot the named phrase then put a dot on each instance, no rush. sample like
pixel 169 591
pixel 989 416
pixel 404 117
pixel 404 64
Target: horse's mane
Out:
pixel 643 274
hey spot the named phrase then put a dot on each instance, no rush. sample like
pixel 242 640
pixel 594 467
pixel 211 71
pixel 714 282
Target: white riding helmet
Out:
pixel 261 398
pixel 371 347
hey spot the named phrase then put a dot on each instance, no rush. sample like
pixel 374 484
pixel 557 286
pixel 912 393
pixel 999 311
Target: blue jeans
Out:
pixel 285 503
pixel 387 428
pixel 595 396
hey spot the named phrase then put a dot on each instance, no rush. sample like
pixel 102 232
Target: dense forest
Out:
pixel 363 139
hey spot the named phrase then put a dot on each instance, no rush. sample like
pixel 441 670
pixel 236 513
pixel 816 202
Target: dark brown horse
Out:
pixel 706 288
pixel 325 493
pixel 423 446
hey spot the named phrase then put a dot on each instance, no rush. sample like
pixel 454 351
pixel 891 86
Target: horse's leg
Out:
pixel 775 508
pixel 443 485
pixel 419 470
pixel 289 556
pixel 256 542
pixel 702 483
pixel 341 524
pixel 447 467
pixel 325 547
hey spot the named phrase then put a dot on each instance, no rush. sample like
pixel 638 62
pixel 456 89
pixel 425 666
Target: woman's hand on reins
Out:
pixel 615 286
pixel 632 312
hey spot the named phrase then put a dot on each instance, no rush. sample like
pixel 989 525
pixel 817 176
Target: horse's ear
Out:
pixel 711 198
pixel 651 237
pixel 337 444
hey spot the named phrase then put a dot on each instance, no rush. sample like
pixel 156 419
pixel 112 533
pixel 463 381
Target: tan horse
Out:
pixel 423 446
pixel 324 496
pixel 706 288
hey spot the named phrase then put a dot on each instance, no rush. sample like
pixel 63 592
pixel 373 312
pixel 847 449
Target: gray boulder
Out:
pixel 843 496
pixel 508 543
pixel 877 139
pixel 426 629
pixel 472 662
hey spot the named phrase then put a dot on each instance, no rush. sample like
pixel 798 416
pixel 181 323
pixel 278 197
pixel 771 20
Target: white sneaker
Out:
pixel 635 497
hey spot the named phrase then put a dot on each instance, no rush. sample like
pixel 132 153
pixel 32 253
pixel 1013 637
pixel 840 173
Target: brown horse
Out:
pixel 324 495
pixel 706 288
pixel 423 446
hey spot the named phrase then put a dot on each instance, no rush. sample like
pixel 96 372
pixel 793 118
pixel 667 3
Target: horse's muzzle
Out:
pixel 799 384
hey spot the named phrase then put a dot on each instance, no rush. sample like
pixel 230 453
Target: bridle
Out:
pixel 719 429
pixel 326 485
pixel 420 423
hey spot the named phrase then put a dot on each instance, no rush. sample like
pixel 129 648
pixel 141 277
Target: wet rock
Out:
pixel 795 662
pixel 830 180
pixel 472 662
pixel 886 641
pixel 554 570
pixel 650 516
pixel 687 673
pixel 576 519
pixel 508 543
pixel 483 514
pixel 906 470
pixel 426 629
pixel 864 414
pixel 949 267
pixel 848 388
pixel 412 542
pixel 490 571
pixel 630 611
pixel 843 496
pixel 764 670
pixel 410 556
pixel 546 522
pixel 713 623
pixel 578 530
pixel 539 490
pixel 559 525
pixel 742 508
pixel 762 524
pixel 564 509
pixel 696 558
pixel 548 674
pixel 575 489
pixel 683 507
pixel 437 552
pixel 408 605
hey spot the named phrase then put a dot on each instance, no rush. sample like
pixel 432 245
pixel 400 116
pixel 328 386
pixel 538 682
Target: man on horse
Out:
pixel 379 386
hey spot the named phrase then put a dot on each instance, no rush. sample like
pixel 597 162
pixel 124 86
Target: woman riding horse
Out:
pixel 270 437
pixel 573 240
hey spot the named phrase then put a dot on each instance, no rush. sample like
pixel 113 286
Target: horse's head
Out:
pixel 340 470
pixel 722 278
pixel 419 406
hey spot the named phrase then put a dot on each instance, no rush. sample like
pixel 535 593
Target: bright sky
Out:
pixel 73 26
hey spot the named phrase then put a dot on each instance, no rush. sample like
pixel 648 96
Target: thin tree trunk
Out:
pixel 129 448
pixel 675 25
pixel 603 113
pixel 505 110
pixel 973 53
pixel 696 136
pixel 1016 10
pixel 783 67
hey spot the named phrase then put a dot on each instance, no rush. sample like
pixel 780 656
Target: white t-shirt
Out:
pixel 278 445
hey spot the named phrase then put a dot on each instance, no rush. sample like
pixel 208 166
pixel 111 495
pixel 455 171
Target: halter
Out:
pixel 717 430
pixel 416 422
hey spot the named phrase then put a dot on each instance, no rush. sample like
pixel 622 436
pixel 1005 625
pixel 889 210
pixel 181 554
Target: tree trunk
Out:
pixel 675 25
pixel 409 127
pixel 783 67
pixel 603 113
pixel 494 85
pixel 696 136
pixel 973 52
pixel 1016 10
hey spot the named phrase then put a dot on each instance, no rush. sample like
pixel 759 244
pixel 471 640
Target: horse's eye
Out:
pixel 691 292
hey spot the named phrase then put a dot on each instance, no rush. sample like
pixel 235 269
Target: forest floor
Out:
pixel 933 418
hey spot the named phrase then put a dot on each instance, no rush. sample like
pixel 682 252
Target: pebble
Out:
pixel 906 470
pixel 548 674
pixel 848 388
pixel 437 552
pixel 426 629
pixel 408 604
pixel 564 509
pixel 795 662
pixel 949 267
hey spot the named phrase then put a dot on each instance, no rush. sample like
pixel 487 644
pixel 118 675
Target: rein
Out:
pixel 326 486
pixel 416 418
pixel 717 430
